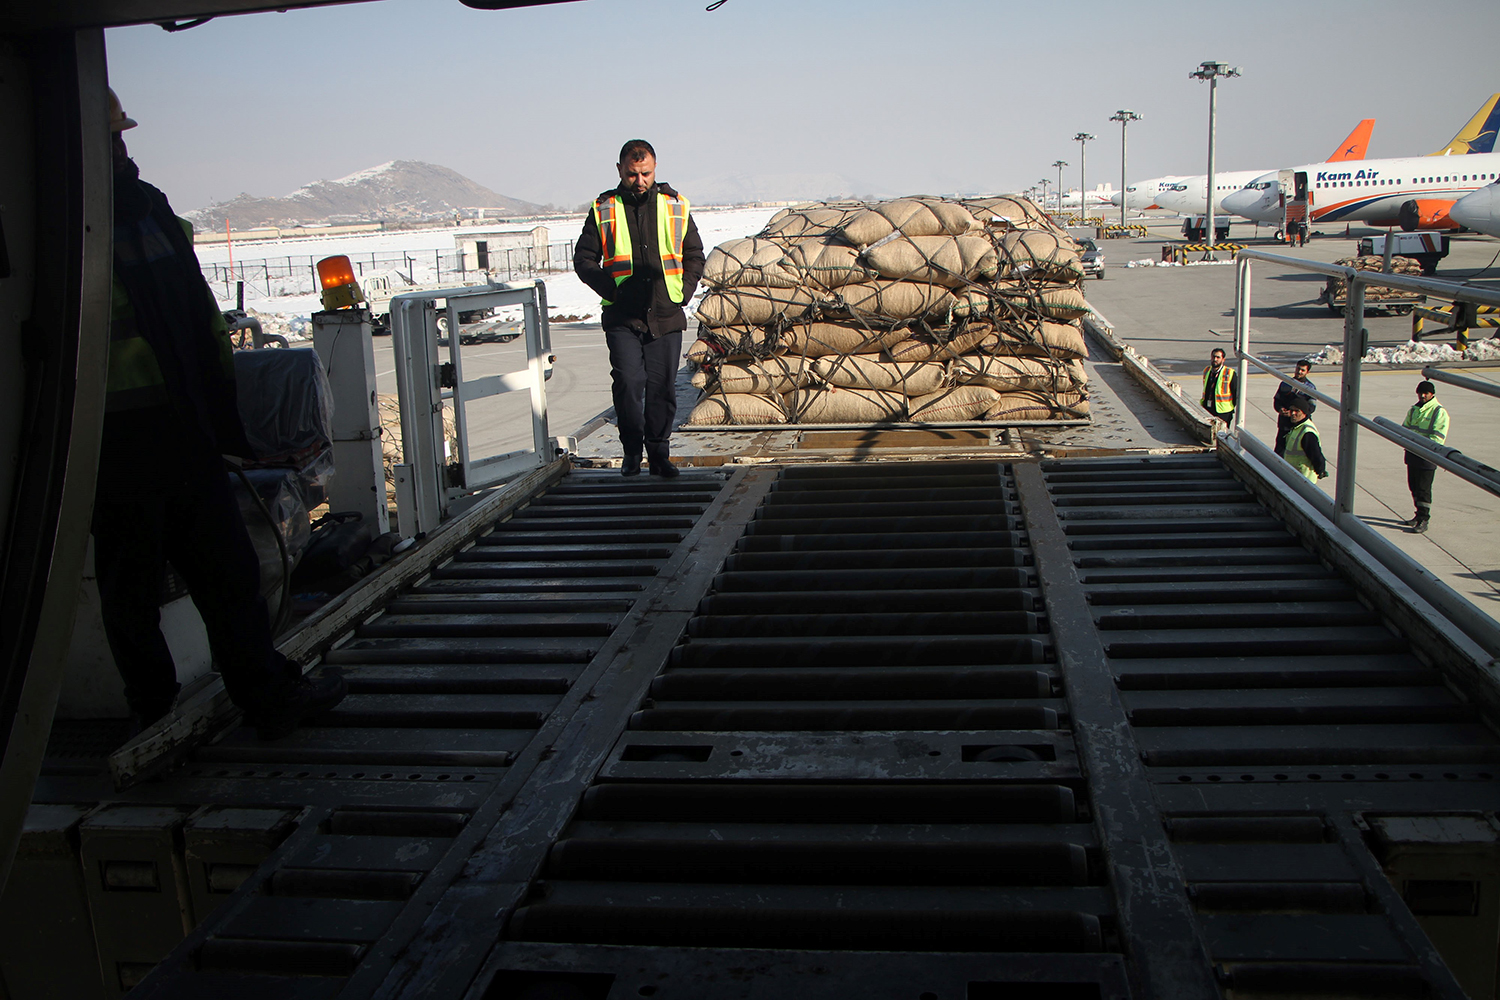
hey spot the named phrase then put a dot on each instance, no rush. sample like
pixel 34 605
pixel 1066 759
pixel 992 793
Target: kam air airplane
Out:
pixel 1148 193
pixel 1414 192
pixel 1479 210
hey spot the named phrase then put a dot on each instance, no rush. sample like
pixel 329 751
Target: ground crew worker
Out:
pixel 1302 448
pixel 163 493
pixel 1283 398
pixel 1221 390
pixel 1428 418
pixel 641 252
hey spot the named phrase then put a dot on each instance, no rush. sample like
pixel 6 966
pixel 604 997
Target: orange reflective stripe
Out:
pixel 614 239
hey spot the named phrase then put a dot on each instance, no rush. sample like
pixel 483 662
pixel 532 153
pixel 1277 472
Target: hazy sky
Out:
pixel 897 97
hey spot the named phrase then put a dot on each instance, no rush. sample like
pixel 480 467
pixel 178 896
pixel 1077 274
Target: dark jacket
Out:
pixel 1285 394
pixel 641 303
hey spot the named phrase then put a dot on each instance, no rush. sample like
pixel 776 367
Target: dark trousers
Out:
pixel 200 531
pixel 1283 424
pixel 643 370
pixel 1419 481
pixel 1228 418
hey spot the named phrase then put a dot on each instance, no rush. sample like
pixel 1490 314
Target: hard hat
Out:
pixel 118 120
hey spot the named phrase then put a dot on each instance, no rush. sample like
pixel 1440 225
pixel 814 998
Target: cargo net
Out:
pixel 922 310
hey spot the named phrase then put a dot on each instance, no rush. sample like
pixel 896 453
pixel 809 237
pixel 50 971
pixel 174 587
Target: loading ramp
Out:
pixel 1075 728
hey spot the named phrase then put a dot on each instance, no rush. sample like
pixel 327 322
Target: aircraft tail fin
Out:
pixel 1353 148
pixel 1478 136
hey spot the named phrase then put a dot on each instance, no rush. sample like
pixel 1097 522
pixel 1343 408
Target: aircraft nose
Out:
pixel 1114 199
pixel 1478 210
pixel 1240 201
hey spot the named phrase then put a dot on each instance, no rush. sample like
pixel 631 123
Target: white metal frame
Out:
pixel 427 483
pixel 1340 508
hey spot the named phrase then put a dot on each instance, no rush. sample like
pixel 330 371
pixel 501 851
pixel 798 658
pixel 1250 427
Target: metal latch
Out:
pixel 447 378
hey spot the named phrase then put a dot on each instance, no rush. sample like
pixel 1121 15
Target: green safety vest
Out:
pixel 134 380
pixel 614 239
pixel 1428 419
pixel 1295 456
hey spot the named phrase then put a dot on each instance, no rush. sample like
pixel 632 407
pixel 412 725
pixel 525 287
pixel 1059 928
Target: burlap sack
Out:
pixel 1014 301
pixel 1015 373
pixel 752 306
pixel 749 262
pixel 1020 213
pixel 927 349
pixel 944 260
pixel 1040 253
pixel 828 265
pixel 736 408
pixel 810 221
pixel 888 301
pixel 962 402
pixel 845 406
pixel 911 216
pixel 764 376
pixel 868 371
pixel 819 340
pixel 1038 406
pixel 1055 340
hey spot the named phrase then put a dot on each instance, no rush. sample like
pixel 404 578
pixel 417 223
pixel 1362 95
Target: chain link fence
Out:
pixel 273 277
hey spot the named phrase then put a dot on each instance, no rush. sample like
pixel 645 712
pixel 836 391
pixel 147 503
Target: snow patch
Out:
pixel 1413 353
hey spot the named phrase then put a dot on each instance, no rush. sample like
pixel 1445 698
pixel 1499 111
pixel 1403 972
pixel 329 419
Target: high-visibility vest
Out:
pixel 134 378
pixel 1295 456
pixel 1221 396
pixel 614 239
pixel 1428 419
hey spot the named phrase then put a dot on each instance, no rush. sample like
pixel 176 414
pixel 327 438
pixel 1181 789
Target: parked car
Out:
pixel 1091 257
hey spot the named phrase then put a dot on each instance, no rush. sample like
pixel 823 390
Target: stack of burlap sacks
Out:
pixel 920 309
pixel 1375 294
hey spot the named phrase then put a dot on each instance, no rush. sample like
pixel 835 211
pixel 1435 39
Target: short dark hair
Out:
pixel 636 150
pixel 1304 363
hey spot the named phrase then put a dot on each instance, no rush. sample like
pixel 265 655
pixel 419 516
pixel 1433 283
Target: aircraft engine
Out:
pixel 1426 213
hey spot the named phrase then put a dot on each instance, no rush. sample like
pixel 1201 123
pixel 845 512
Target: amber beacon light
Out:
pixel 340 290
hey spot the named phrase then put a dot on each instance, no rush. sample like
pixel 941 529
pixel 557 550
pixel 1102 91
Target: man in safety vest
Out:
pixel 1221 390
pixel 1301 447
pixel 1428 418
pixel 163 492
pixel 641 252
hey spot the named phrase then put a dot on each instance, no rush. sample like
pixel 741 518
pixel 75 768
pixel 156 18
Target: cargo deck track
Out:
pixel 1079 728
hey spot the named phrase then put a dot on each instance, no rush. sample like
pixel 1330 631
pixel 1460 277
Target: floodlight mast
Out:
pixel 1124 117
pixel 1059 164
pixel 1211 71
pixel 1083 191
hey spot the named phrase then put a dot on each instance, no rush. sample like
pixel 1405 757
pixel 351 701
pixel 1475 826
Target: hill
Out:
pixel 398 191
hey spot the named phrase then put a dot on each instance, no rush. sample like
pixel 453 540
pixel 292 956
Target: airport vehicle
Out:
pixel 1479 210
pixel 1091 257
pixel 1414 192
pixel 382 286
pixel 1195 228
pixel 1425 248
pixel 1027 718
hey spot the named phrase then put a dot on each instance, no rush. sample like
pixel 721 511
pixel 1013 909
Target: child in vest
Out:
pixel 1302 449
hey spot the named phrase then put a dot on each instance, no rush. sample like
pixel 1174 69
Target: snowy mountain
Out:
pixel 398 191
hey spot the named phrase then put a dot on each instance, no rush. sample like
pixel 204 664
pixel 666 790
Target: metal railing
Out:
pixel 1340 508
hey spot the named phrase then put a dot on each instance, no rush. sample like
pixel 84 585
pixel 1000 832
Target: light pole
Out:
pixel 1059 164
pixel 1211 71
pixel 1124 117
pixel 1044 182
pixel 1083 191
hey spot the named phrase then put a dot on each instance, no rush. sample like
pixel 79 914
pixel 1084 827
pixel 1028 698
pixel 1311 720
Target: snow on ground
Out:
pixel 1413 353
pixel 293 300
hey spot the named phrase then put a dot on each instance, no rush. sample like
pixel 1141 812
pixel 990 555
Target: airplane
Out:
pixel 1479 210
pixel 1414 192
pixel 1352 148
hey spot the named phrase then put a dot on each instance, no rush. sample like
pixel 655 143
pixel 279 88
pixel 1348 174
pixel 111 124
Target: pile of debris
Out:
pixel 921 309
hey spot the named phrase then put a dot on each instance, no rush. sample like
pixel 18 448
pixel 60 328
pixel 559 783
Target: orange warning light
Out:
pixel 340 290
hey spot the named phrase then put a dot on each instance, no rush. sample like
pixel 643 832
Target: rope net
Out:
pixel 918 309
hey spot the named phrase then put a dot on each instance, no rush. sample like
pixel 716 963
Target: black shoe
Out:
pixel 1420 526
pixel 665 469
pixel 631 466
pixel 305 698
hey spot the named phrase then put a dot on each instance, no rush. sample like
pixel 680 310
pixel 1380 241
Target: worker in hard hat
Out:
pixel 163 494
